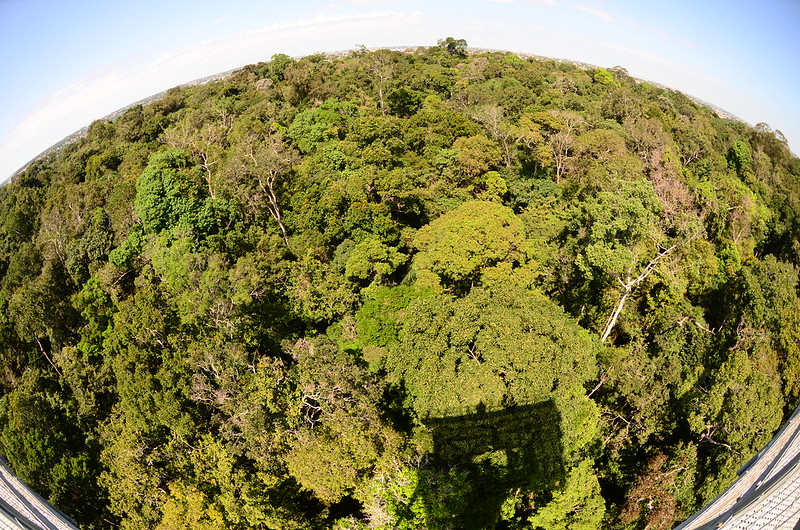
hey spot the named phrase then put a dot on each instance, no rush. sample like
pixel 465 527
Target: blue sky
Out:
pixel 65 64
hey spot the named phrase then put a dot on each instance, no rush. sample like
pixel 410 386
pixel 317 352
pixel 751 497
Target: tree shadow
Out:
pixel 518 447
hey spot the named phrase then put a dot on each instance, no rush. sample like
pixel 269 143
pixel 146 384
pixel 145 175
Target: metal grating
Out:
pixel 766 495
pixel 21 508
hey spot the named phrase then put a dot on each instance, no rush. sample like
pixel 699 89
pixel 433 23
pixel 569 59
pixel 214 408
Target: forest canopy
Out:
pixel 429 288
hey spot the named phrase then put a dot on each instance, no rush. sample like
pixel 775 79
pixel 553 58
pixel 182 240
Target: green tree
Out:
pixel 372 260
pixel 47 452
pixel 405 102
pixel 203 134
pixel 492 351
pixel 578 505
pixel 476 155
pixel 169 195
pixel 453 46
pixel 603 77
pixel 739 156
pixel 461 245
pixel 382 64
pixel 262 162
pixel 342 440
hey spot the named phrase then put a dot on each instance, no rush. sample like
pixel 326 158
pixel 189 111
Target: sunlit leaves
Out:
pixel 463 243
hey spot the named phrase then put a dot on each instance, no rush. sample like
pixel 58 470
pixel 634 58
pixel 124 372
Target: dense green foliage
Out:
pixel 428 289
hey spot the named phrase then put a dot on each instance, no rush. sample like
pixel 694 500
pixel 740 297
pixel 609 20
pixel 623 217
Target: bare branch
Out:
pixel 628 286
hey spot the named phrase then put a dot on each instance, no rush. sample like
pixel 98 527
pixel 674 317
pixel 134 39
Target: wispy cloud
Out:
pixel 669 36
pixel 527 2
pixel 374 2
pixel 632 23
pixel 659 32
pixel 599 13
pixel 679 68
pixel 215 22
pixel 334 22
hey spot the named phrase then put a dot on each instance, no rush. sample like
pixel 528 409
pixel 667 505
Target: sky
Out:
pixel 66 64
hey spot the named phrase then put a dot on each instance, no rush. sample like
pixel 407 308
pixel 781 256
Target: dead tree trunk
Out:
pixel 274 209
pixel 627 286
pixel 271 159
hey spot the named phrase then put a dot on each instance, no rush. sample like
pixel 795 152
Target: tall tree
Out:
pixel 265 160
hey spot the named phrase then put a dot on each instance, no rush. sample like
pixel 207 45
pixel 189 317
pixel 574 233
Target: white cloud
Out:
pixel 599 13
pixel 528 2
pixel 374 2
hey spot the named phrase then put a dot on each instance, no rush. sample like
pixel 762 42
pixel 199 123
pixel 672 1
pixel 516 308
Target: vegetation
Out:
pixel 424 289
